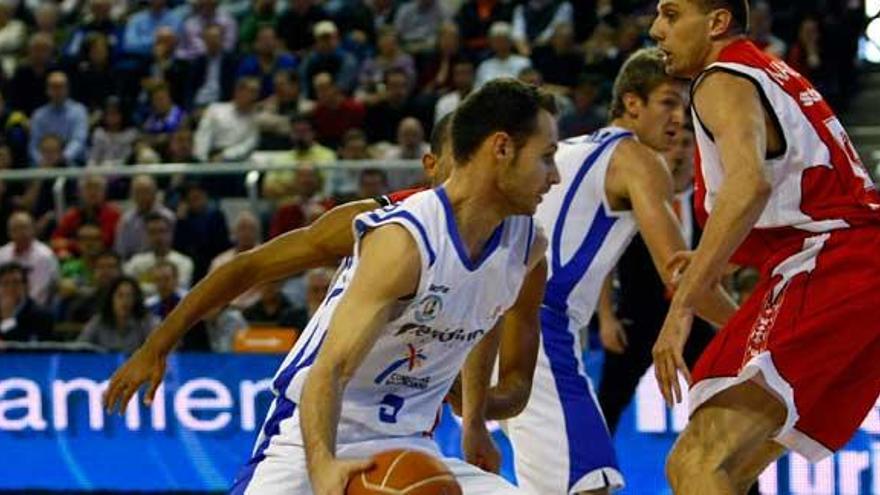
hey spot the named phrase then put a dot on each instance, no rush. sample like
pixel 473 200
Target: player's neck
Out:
pixel 716 48
pixel 625 123
pixel 476 210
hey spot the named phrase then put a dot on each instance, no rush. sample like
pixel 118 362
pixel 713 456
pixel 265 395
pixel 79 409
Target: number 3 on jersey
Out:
pixel 389 407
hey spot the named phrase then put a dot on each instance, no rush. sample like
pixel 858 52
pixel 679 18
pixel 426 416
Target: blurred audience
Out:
pixel 122 322
pixel 21 318
pixel 37 258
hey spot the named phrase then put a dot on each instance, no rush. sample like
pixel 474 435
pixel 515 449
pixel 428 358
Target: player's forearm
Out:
pixel 320 407
pixel 716 306
pixel 215 290
pixel 475 378
pixel 605 308
pixel 507 399
pixel 738 206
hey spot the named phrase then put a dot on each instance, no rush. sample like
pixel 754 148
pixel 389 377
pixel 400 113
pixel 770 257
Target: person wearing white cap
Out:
pixel 328 57
pixel 503 63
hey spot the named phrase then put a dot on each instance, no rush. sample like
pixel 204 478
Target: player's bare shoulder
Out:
pixel 635 164
pixel 720 96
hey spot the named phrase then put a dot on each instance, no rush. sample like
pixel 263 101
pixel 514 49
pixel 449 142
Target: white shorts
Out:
pixel 561 442
pixel 279 468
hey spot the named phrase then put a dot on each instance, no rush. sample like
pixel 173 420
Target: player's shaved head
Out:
pixel 739 12
pixel 440 133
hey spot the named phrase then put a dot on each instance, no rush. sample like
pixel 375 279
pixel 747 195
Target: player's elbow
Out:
pixel 513 392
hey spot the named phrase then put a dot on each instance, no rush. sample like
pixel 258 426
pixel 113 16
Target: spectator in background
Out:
pixel 131 232
pixel 36 257
pixel 7 191
pixel 61 117
pixel 213 73
pixel 165 117
pixel 463 83
pixel 805 55
pixel 14 132
pixel 95 78
pixel 246 236
pixel 46 21
pixel 384 12
pixel 81 307
pixel 262 13
pixel 388 56
pixel 93 208
pixel 384 117
pixel 27 88
pixel 201 231
pixel 418 23
pixel 297 25
pixel 317 283
pixel 123 322
pixel 761 30
pixel 475 17
pixel 99 22
pixel 305 202
pixel 334 113
pixel 503 63
pixel 13 34
pixel 37 197
pixel 354 146
pixel 266 60
pixel 277 184
pixel 585 116
pixel 228 131
pixel 140 31
pixel 78 272
pixel 113 139
pixel 21 318
pixel 168 292
pixel 160 234
pixel 534 22
pixel 327 56
pixel 372 183
pixel 411 143
pixel 274 113
pixel 162 68
pixel 436 67
pixel 358 21
pixel 205 13
pixel 560 61
pixel 272 309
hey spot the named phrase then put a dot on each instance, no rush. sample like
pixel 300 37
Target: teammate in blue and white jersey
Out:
pixel 612 183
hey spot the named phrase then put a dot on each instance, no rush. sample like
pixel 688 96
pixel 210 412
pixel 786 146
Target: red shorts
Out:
pixel 812 328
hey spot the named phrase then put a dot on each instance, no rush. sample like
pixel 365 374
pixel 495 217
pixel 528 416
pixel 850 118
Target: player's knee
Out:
pixel 689 460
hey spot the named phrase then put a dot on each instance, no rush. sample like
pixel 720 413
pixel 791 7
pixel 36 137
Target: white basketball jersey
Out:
pixel 586 236
pixel 401 383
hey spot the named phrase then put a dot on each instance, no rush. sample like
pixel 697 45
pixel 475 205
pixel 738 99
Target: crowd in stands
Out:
pixel 95 83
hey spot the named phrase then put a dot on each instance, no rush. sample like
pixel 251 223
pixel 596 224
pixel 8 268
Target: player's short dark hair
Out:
pixel 440 133
pixel 501 105
pixel 642 73
pixel 739 12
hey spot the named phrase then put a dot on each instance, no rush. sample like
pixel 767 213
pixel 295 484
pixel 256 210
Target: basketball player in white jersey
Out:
pixel 612 182
pixel 324 243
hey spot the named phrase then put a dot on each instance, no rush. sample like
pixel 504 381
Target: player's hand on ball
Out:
pixel 479 449
pixel 668 353
pixel 145 365
pixel 332 477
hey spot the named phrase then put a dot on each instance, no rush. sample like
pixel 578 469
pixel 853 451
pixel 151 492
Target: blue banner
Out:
pixel 201 429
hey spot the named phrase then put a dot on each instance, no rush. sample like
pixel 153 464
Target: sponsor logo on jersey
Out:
pixel 412 359
pixel 444 336
pixel 429 308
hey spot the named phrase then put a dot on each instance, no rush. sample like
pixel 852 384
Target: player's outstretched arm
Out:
pixel 388 270
pixel 322 243
pixel 731 109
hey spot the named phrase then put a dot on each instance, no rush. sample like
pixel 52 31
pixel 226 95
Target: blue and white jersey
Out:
pixel 401 383
pixel 586 236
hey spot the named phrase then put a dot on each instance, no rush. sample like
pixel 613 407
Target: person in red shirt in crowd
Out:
pixel 334 112
pixel 93 208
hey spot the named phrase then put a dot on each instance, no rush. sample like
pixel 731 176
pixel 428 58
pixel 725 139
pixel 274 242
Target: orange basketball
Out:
pixel 404 472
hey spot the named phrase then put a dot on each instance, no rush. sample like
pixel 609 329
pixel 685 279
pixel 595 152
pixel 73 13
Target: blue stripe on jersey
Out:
pixel 452 228
pixel 283 409
pixel 589 445
pixel 591 160
pixel 362 226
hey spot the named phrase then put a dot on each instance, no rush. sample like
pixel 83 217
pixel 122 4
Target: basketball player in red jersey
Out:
pixel 779 186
